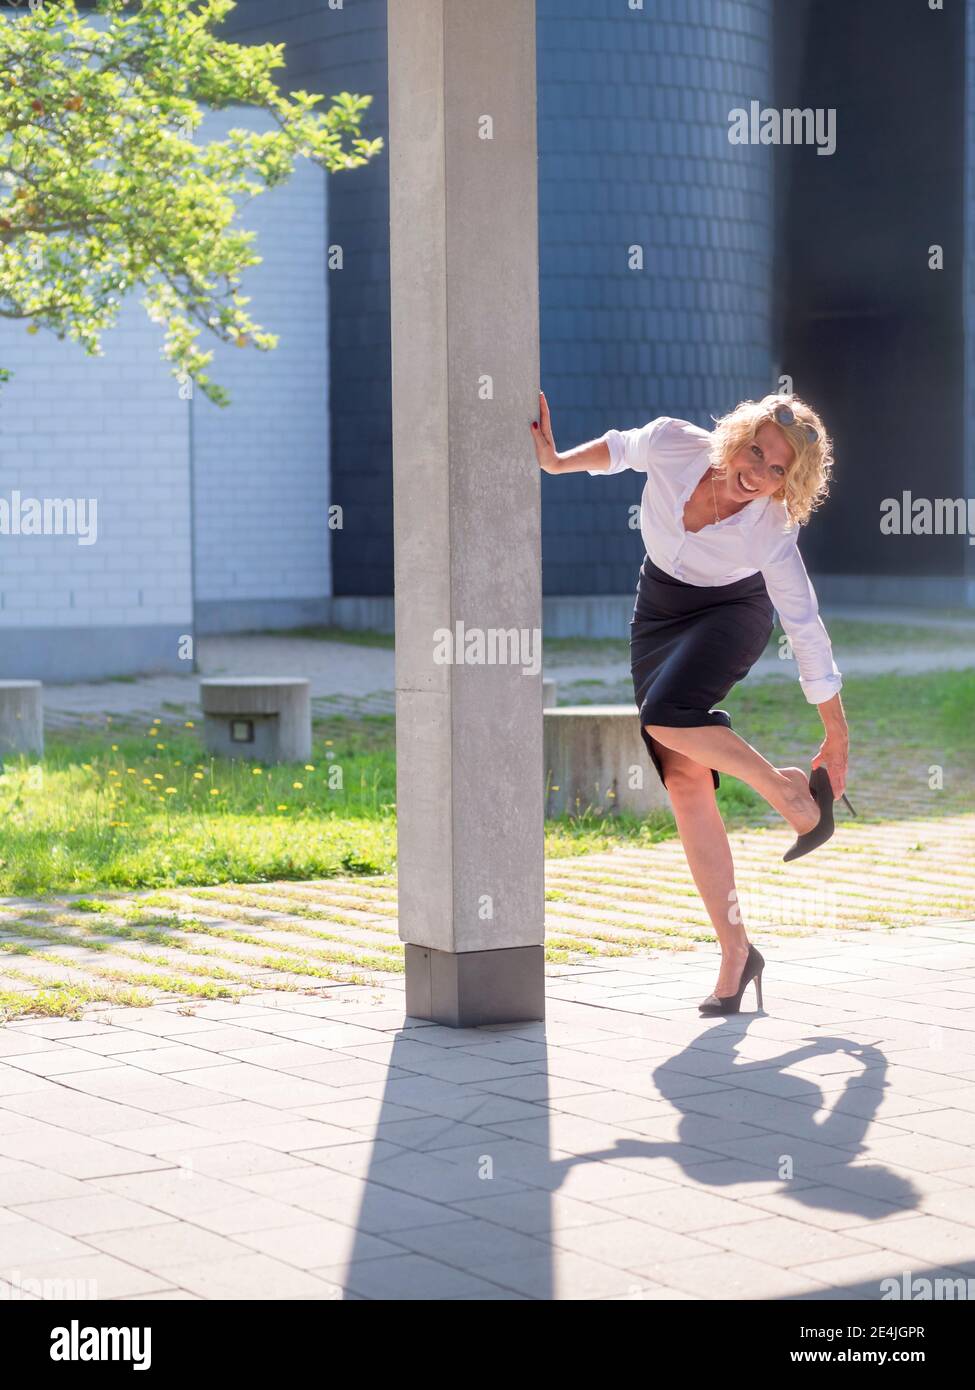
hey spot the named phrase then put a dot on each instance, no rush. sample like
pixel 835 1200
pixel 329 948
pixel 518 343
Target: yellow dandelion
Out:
pixel 147 781
pixel 170 791
pixel 189 724
pixel 257 771
pixel 309 767
pixel 114 747
pixel 130 769
pixel 283 806
pixel 198 776
pixel 112 772
pixel 297 786
pixel 160 745
pixel 214 791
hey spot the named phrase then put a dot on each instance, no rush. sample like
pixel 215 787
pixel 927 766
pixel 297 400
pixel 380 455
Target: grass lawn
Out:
pixel 849 636
pixel 853 635
pixel 128 809
pixel 146 809
pixel 367 637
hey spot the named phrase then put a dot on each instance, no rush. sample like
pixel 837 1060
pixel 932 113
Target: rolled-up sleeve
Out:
pixel 794 599
pixel 628 448
pixel 663 443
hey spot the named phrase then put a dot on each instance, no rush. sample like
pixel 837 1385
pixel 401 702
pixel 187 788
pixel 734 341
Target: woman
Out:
pixel 720 518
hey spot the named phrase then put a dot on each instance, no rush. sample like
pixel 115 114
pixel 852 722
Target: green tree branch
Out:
pixel 104 190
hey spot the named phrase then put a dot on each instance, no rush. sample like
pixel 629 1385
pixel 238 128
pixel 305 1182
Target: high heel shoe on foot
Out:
pixel 821 790
pixel 731 1003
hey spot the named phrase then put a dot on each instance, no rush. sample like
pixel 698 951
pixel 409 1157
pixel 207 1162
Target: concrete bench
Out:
pixel 21 718
pixel 260 717
pixel 595 757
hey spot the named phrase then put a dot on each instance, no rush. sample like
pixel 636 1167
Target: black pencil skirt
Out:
pixel 689 644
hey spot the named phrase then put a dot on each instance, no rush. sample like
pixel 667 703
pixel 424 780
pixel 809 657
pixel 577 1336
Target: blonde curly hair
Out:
pixel 806 484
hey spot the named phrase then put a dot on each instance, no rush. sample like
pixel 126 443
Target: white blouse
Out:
pixel 759 538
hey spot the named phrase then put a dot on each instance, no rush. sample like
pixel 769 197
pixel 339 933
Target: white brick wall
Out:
pixel 111 428
pixel 261 466
pixel 114 429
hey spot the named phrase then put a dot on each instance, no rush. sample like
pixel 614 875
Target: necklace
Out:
pixel 714 499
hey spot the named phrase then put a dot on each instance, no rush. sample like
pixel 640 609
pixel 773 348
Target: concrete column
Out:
pixel 464 299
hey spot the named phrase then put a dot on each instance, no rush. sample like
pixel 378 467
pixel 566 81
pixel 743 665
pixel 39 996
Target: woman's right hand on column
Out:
pixel 542 435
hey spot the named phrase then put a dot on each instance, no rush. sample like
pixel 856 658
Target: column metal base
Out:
pixel 469 988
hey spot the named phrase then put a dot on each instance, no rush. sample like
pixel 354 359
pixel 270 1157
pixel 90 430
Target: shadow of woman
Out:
pixel 826 1169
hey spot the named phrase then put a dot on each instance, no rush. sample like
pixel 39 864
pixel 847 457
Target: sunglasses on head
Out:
pixel 785 415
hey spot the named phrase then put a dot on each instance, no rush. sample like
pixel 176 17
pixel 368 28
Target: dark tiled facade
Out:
pixel 757 259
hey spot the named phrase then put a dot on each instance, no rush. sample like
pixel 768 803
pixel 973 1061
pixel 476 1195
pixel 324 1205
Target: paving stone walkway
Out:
pixel 308 1142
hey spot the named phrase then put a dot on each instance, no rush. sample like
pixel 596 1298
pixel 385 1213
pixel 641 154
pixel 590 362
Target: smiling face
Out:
pixel 754 457
pixel 759 467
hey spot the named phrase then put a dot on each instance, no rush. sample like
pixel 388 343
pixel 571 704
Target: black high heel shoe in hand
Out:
pixel 731 1003
pixel 821 790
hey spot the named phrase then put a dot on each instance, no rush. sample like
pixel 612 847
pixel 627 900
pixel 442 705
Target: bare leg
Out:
pixel 708 852
pixel 713 745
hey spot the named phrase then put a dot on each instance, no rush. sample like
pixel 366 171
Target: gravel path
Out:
pixel 352 678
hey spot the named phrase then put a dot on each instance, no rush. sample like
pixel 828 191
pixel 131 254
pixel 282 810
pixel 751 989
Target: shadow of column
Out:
pixel 447 1197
